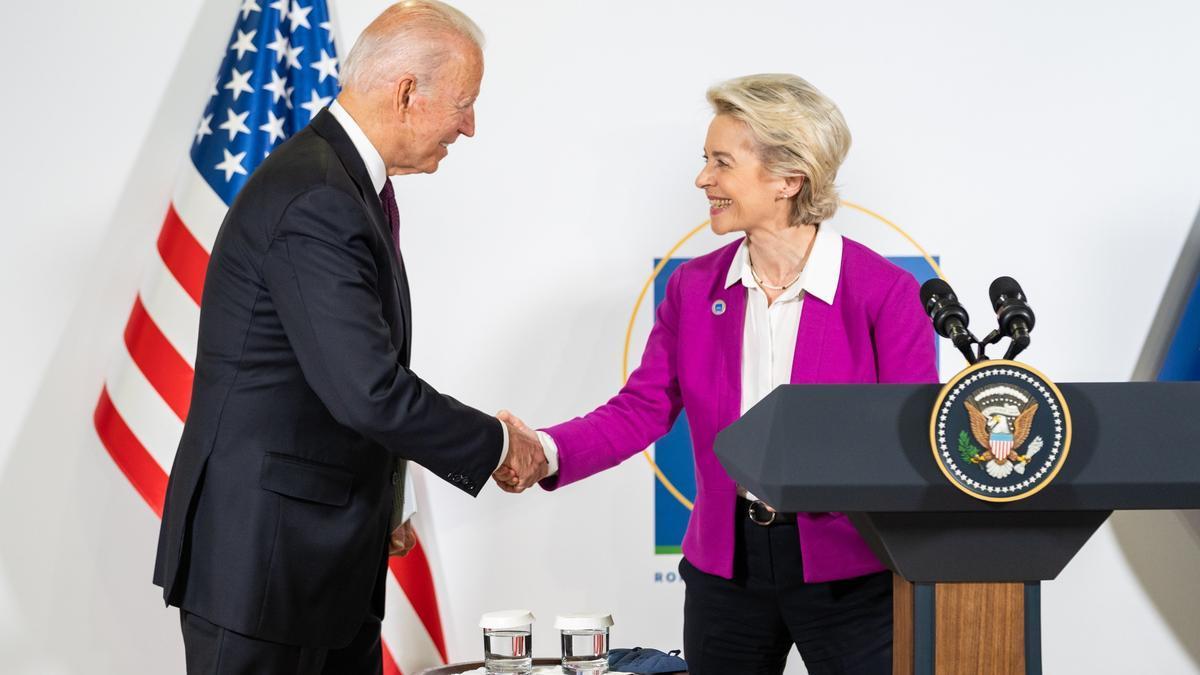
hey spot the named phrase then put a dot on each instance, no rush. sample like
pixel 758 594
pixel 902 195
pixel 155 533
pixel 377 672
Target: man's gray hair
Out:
pixel 408 37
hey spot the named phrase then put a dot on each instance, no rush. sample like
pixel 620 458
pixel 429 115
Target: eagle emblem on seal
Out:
pixel 1001 417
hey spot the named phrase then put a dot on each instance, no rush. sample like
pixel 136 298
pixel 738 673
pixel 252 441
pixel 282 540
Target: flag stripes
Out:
pixel 146 476
pixel 166 370
pixel 182 254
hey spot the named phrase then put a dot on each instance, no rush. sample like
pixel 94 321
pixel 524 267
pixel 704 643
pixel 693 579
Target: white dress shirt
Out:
pixel 769 335
pixel 377 170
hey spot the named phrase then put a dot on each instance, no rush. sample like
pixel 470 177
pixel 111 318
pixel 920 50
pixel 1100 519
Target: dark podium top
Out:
pixel 1135 445
pixel 865 450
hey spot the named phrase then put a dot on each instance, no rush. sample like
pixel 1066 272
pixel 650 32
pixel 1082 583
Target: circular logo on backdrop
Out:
pixel 1000 431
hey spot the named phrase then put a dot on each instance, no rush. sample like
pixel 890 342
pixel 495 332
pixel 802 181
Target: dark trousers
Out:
pixel 748 624
pixel 213 650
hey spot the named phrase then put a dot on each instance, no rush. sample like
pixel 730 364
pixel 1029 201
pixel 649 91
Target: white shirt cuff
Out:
pixel 550 448
pixel 410 495
pixel 504 447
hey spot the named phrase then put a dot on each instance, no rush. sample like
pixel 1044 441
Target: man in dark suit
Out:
pixel 275 532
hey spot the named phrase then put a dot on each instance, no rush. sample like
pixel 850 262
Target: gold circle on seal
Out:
pixel 954 381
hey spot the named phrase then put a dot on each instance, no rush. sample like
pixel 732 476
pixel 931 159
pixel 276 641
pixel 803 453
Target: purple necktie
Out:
pixel 387 196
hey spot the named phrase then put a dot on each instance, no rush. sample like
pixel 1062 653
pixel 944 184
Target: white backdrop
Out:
pixel 1055 142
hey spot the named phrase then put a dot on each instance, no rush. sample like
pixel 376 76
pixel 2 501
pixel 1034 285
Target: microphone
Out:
pixel 949 317
pixel 1013 313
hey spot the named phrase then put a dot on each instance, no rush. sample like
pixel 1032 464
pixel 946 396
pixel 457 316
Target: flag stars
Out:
pixel 327 66
pixel 247 7
pixel 281 6
pixel 235 123
pixel 240 82
pixel 280 46
pixel 205 128
pixel 232 164
pixel 328 26
pixel 293 56
pixel 274 127
pixel 244 43
pixel 278 88
pixel 315 103
pixel 298 15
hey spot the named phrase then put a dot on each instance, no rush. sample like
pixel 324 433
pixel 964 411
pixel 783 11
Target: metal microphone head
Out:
pixel 943 308
pixel 934 289
pixel 1012 308
pixel 1004 290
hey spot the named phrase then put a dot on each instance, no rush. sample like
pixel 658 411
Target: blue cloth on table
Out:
pixel 645 661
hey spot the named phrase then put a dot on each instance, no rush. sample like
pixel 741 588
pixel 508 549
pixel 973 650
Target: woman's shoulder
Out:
pixel 867 270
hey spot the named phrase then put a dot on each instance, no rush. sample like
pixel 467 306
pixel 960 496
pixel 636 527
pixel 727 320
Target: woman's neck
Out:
pixel 778 253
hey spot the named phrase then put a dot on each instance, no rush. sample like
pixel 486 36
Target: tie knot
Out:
pixel 388 193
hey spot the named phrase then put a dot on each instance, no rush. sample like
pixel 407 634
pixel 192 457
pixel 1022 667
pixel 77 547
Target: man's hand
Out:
pixel 402 540
pixel 526 461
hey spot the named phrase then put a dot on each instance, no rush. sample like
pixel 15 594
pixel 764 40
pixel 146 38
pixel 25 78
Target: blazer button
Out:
pixel 395 477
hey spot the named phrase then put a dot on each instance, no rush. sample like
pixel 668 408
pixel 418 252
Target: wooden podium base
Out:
pixel 958 628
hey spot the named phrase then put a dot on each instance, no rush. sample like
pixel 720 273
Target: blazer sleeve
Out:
pixel 903 336
pixel 641 413
pixel 321 275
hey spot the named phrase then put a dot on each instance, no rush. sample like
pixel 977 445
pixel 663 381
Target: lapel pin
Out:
pixel 718 307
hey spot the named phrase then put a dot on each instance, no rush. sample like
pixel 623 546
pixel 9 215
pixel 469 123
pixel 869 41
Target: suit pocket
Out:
pixel 301 479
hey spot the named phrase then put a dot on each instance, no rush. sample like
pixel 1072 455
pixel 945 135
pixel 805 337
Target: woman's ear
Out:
pixel 793 184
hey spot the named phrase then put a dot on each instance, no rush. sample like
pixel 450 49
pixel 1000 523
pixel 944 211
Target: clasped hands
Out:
pixel 525 463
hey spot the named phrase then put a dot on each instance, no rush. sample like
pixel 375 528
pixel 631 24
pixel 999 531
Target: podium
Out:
pixel 967 572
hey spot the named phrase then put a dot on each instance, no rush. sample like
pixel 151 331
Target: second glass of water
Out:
pixel 508 642
pixel 584 642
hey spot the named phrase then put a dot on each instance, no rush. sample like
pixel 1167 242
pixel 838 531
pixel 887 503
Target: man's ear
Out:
pixel 405 87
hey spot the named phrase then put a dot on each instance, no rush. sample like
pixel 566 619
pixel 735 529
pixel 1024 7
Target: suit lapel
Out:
pixel 730 327
pixel 327 126
pixel 810 340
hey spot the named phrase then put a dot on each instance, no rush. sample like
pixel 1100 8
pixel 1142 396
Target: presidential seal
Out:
pixel 1000 431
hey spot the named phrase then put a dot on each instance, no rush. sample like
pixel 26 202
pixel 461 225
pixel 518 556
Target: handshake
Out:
pixel 525 463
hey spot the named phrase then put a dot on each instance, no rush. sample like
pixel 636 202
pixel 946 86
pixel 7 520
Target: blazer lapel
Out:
pixel 326 125
pixel 810 340
pixel 730 325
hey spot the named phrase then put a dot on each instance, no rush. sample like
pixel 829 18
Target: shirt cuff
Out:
pixel 504 446
pixel 550 449
pixel 410 495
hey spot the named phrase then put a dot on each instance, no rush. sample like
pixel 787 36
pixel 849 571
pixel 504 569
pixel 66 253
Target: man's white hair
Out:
pixel 408 37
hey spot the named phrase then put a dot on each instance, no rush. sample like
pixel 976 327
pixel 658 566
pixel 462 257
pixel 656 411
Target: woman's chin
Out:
pixel 720 228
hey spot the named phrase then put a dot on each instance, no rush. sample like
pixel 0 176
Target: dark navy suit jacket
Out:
pixel 277 511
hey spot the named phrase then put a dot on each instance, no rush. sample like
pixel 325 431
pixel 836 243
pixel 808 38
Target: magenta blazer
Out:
pixel 875 331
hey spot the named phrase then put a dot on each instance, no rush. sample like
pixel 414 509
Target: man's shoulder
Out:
pixel 303 163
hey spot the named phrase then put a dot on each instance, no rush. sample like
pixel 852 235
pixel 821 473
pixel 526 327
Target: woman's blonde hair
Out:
pixel 798 131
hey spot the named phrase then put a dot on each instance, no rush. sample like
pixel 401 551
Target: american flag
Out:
pixel 279 70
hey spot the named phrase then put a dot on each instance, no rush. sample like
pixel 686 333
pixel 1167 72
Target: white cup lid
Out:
pixel 584 621
pixel 508 618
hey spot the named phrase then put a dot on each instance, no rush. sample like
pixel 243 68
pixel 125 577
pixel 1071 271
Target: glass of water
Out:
pixel 508 642
pixel 584 642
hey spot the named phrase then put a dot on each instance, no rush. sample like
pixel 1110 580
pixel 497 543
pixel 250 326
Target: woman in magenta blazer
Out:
pixel 790 302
